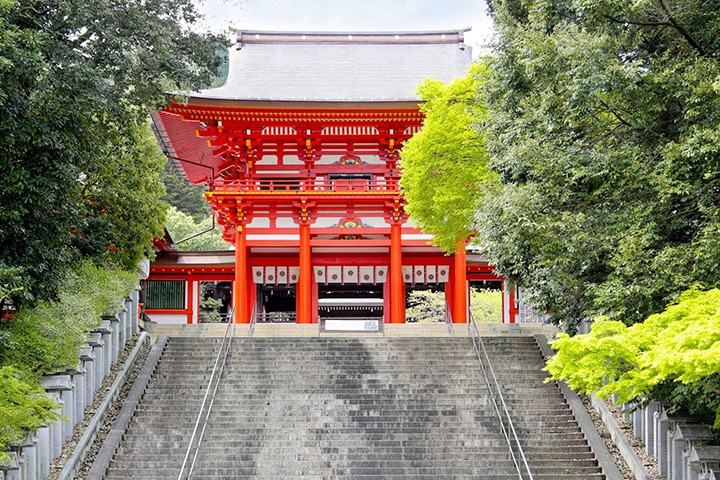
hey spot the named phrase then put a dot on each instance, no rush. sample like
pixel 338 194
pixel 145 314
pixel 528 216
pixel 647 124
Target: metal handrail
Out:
pixel 486 367
pixel 252 322
pixel 449 321
pixel 217 370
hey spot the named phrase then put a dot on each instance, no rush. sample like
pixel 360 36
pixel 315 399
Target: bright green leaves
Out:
pixel 445 165
pixel 23 407
pixel 681 344
pixel 181 225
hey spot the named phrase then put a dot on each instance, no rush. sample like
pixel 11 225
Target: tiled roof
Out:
pixel 338 67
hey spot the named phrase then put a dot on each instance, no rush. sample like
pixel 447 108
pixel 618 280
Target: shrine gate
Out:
pixel 300 151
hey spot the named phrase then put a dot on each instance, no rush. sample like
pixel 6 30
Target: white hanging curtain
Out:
pixel 407 273
pixel 431 273
pixel 282 275
pixel 270 278
pixel 350 275
pixel 367 275
pixel 294 274
pixel 320 276
pixel 258 274
pixel 443 273
pixel 419 274
pixel 381 274
pixel 334 274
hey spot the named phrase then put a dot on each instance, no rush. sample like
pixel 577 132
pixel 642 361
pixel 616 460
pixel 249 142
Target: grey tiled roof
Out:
pixel 333 67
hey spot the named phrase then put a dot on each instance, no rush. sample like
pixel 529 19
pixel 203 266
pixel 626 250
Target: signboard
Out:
pixel 362 325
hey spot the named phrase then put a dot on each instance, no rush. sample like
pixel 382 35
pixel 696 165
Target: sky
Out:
pixel 351 15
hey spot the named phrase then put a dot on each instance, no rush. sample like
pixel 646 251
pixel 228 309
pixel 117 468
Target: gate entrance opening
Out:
pixel 275 303
pixel 350 301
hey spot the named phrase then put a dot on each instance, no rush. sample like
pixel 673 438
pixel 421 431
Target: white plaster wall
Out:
pixel 267 160
pixel 259 222
pixel 372 159
pixel 292 159
pixel 377 222
pixel 286 222
pixel 325 222
pixel 328 159
pixel 251 236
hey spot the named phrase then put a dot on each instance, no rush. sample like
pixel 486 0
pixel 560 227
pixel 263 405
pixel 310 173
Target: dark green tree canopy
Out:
pixel 183 195
pixel 77 81
pixel 603 125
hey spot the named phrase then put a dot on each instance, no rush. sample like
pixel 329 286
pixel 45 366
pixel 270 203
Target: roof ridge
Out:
pixel 385 37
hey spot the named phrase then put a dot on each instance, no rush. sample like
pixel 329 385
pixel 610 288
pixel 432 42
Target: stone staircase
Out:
pixel 361 408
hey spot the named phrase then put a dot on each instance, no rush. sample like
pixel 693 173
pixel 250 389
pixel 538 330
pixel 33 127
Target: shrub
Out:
pixel 45 338
pixel 673 355
pixel 23 407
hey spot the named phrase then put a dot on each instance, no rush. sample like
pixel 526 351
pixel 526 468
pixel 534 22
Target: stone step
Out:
pixel 361 408
pixel 354 472
pixel 433 476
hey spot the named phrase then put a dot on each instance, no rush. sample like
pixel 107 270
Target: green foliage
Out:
pixel 181 225
pixel 122 200
pixel 602 126
pixel 77 81
pixel 208 304
pixel 444 170
pixel 666 354
pixel 486 305
pixel 45 338
pixel 428 306
pixel 185 196
pixel 23 407
pixel 425 306
pixel 10 284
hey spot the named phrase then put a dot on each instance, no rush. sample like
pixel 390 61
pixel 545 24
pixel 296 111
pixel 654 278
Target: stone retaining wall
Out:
pixel 677 442
pixel 73 390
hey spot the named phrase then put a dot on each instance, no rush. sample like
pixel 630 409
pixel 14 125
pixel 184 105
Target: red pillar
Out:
pixel 460 286
pixel 190 299
pixel 240 295
pixel 397 286
pixel 304 300
pixel 512 310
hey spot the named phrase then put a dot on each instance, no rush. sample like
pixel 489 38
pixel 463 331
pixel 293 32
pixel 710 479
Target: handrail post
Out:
pixel 449 320
pixel 253 321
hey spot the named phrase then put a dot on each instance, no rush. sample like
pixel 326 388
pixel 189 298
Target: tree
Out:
pixel 426 306
pixel 185 196
pixel 78 79
pixel 444 171
pixel 181 225
pixel 672 355
pixel 602 127
pixel 122 197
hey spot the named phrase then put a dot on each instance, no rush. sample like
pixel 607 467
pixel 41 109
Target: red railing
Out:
pixel 340 185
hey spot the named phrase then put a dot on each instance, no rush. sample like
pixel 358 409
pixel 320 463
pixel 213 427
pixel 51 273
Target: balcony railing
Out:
pixel 291 186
